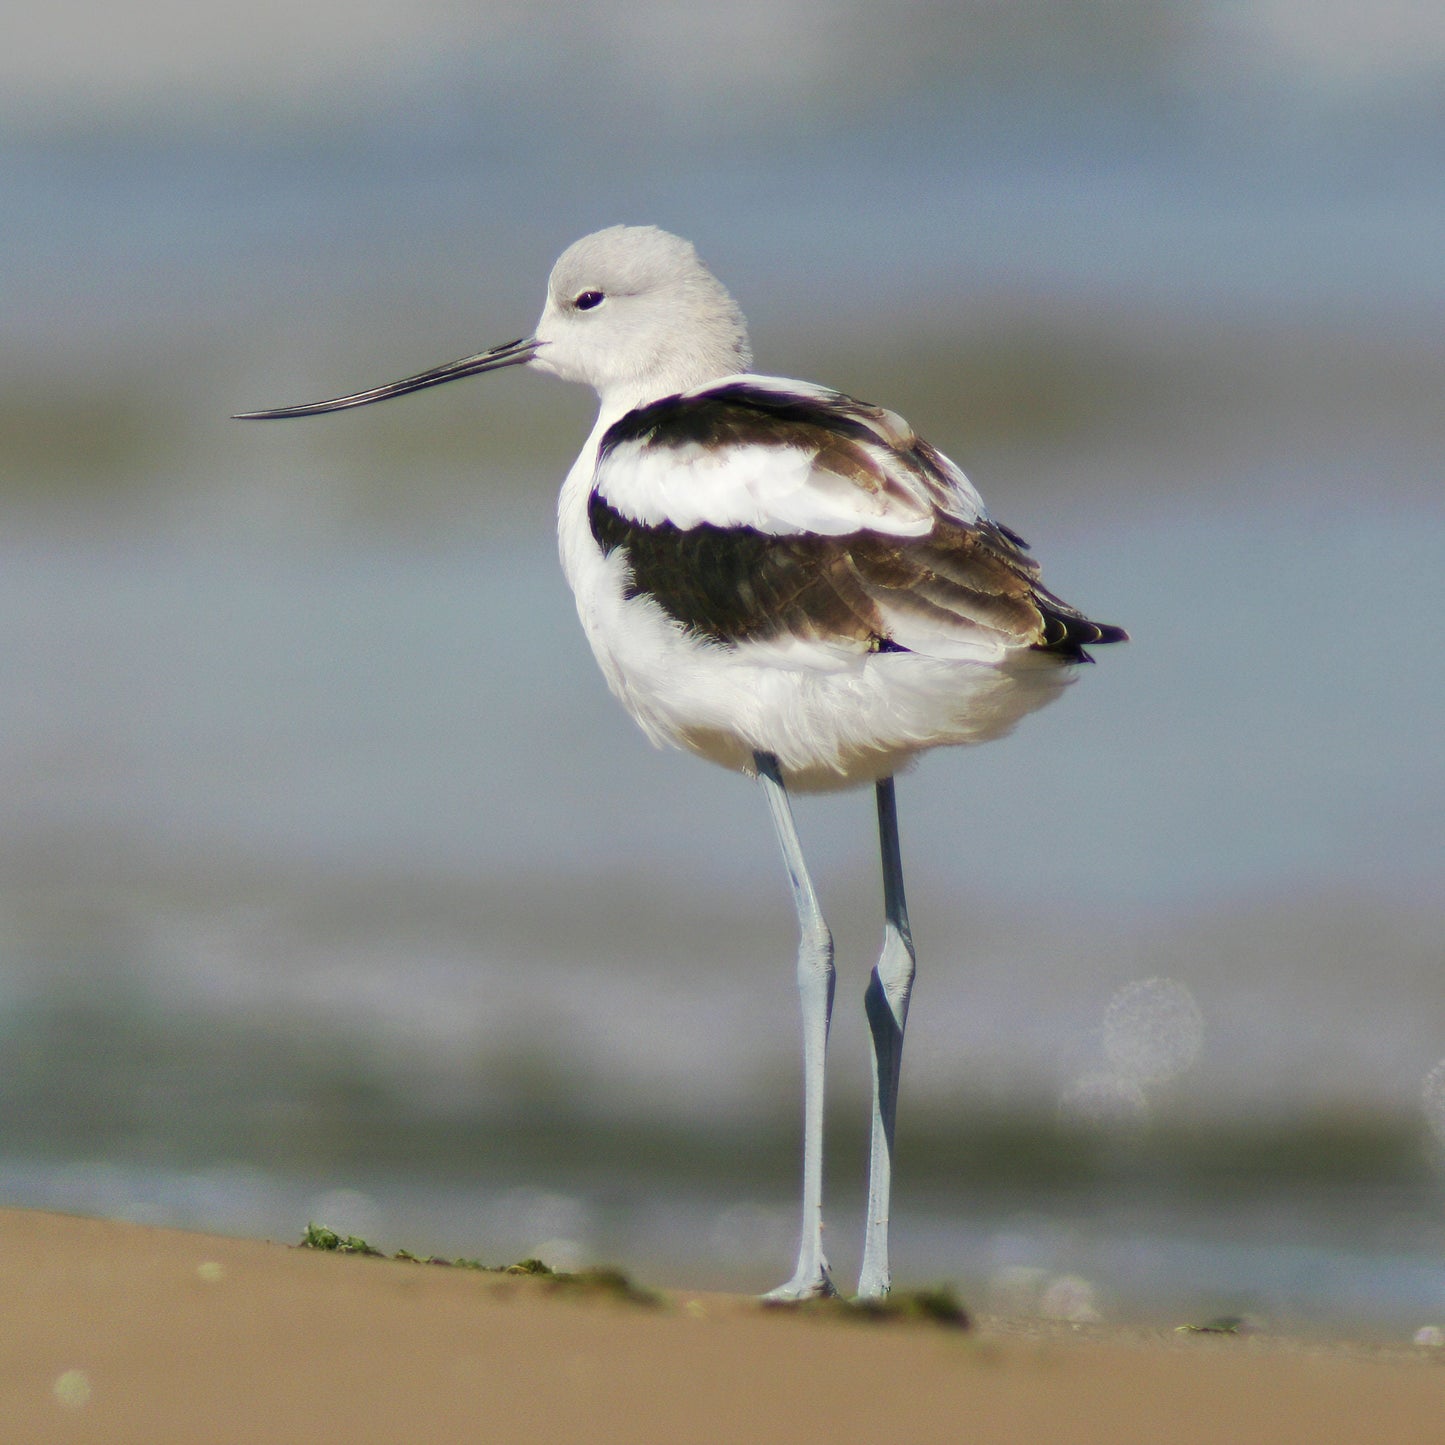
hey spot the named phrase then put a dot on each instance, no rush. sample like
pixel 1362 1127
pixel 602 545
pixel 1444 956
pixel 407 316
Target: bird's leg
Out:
pixel 815 985
pixel 886 1002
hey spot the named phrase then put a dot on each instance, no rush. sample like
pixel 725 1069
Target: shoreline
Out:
pixel 121 1332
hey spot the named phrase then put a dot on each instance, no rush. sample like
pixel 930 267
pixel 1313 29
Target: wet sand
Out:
pixel 119 1332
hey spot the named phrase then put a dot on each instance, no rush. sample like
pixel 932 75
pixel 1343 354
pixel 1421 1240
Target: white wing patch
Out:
pixel 788 488
pixel 778 490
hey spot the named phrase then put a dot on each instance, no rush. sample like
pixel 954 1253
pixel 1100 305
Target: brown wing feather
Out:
pixel 959 574
pixel 734 584
pixel 974 575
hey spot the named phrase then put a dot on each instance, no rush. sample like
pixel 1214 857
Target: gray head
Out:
pixel 633 313
pixel 630 311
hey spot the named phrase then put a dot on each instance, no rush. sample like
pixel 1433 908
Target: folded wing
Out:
pixel 756 510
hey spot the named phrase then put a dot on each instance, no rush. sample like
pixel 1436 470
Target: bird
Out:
pixel 788 582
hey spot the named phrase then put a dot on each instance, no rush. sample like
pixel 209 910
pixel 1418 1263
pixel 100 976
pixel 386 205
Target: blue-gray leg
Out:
pixel 886 1002
pixel 815 986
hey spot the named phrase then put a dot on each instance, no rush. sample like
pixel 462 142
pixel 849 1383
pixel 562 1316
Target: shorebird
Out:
pixel 788 582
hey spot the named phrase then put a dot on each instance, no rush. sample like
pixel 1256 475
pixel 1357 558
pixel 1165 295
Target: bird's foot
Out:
pixel 807 1284
pixel 873 1284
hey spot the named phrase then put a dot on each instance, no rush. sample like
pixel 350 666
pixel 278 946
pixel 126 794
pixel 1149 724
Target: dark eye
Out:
pixel 587 300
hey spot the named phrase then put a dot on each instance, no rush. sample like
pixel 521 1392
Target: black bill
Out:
pixel 513 353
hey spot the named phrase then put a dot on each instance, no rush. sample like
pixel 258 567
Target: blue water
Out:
pixel 1248 202
pixel 1273 725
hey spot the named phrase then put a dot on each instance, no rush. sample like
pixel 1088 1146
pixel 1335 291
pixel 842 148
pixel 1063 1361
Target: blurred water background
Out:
pixel 333 884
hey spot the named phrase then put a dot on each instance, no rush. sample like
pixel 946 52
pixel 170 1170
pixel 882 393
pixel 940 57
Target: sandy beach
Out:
pixel 119 1332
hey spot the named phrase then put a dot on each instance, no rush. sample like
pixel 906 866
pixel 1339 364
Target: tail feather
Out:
pixel 1067 631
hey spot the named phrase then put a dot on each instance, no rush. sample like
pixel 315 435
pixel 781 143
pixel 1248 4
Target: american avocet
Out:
pixel 788 582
